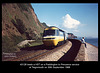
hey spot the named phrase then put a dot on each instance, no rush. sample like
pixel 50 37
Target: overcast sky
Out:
pixel 81 19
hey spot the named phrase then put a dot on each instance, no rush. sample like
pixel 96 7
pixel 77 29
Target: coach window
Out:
pixel 57 32
pixel 61 33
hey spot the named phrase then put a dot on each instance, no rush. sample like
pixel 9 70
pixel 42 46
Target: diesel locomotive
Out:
pixel 53 36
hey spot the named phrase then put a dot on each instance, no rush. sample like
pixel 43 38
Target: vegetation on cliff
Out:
pixel 19 22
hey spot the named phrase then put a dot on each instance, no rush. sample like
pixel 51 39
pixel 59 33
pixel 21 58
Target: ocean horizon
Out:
pixel 93 41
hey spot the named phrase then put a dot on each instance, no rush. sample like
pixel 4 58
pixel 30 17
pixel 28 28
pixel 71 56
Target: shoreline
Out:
pixel 92 45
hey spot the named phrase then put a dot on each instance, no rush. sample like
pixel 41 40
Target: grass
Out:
pixel 23 6
pixel 36 43
pixel 10 16
pixel 31 44
pixel 19 25
pixel 26 15
pixel 9 45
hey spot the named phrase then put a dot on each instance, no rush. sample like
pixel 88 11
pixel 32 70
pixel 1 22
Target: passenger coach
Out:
pixel 53 36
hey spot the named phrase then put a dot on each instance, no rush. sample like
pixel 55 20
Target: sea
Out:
pixel 93 41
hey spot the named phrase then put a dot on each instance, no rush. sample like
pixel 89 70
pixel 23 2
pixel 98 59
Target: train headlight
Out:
pixel 48 38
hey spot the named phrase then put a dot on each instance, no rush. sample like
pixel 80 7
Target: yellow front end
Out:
pixel 52 41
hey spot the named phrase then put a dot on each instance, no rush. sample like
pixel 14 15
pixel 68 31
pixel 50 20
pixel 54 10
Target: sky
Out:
pixel 81 19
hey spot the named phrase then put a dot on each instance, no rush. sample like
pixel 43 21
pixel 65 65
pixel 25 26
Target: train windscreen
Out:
pixel 49 32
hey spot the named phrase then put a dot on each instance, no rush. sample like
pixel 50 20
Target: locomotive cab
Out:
pixel 52 36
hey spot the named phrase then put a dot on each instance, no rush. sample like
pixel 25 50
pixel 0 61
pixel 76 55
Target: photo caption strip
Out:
pixel 49 65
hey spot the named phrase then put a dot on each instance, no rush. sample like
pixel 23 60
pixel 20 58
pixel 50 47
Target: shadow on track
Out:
pixel 39 47
pixel 72 53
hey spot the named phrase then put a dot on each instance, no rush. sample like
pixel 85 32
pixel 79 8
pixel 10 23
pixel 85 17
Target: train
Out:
pixel 53 36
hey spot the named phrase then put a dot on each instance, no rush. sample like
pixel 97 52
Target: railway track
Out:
pixel 46 53
pixel 34 53
pixel 26 53
pixel 29 55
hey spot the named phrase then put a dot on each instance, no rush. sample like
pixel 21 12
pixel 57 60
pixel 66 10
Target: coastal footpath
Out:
pixel 87 54
pixel 91 52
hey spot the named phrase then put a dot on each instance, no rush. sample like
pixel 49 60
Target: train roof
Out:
pixel 53 27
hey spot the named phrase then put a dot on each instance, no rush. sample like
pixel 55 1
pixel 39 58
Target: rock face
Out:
pixel 19 22
pixel 23 43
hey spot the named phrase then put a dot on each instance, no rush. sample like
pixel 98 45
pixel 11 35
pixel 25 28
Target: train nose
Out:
pixel 51 42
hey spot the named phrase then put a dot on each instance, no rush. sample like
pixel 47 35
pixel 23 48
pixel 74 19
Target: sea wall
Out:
pixel 87 54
